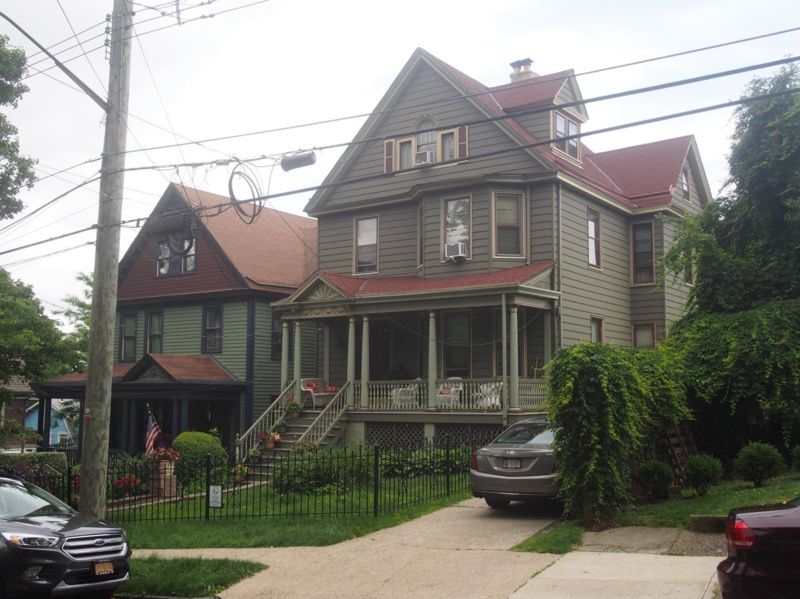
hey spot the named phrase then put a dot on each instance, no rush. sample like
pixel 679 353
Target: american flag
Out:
pixel 153 432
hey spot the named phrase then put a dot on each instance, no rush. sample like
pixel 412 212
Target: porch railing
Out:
pixel 396 395
pixel 470 395
pixel 265 423
pixel 533 394
pixel 327 419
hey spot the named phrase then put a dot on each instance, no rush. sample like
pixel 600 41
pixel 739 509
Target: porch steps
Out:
pixel 262 467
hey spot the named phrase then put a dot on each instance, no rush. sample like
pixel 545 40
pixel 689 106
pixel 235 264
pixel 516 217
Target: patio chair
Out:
pixel 448 394
pixel 404 397
pixel 314 392
pixel 489 396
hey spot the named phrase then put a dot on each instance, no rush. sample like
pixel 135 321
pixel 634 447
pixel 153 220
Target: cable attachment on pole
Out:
pixel 244 172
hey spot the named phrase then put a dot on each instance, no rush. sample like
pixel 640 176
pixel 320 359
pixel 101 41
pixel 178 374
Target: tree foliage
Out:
pixel 739 341
pixel 16 171
pixel 78 314
pixel 607 403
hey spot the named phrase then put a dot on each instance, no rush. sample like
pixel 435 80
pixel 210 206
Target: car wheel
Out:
pixel 497 504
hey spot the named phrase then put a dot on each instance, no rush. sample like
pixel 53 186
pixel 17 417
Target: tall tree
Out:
pixel 739 340
pixel 78 314
pixel 16 171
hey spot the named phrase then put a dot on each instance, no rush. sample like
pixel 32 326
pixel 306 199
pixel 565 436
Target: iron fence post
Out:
pixel 69 484
pixel 447 464
pixel 208 485
pixel 376 482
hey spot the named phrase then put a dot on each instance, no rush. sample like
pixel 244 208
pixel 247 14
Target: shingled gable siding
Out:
pixel 427 87
pixel 588 291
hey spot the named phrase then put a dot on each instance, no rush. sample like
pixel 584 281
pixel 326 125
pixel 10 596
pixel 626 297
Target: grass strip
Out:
pixel 719 500
pixel 185 577
pixel 271 531
pixel 560 537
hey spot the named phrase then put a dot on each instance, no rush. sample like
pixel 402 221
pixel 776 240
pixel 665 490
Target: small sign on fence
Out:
pixel 215 496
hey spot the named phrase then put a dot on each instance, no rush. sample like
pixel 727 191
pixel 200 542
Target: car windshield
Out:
pixel 18 500
pixel 530 434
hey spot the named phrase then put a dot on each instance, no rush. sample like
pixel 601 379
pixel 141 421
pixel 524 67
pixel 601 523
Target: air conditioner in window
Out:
pixel 457 252
pixel 423 158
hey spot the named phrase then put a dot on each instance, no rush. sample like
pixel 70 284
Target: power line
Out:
pixel 219 207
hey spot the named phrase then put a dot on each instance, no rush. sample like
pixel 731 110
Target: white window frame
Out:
pixel 376 218
pixel 636 325
pixel 440 144
pixel 443 230
pixel 397 143
pixel 598 239
pixel 522 228
pixel 558 139
pixel 602 331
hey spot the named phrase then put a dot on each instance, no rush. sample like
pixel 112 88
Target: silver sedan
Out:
pixel 517 465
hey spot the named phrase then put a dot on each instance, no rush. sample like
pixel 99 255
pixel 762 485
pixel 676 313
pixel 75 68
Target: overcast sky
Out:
pixel 285 62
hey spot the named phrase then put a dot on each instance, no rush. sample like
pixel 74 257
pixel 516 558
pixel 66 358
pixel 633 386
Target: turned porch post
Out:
pixel 298 391
pixel 431 359
pixel 351 360
pixel 364 362
pixel 514 362
pixel 326 352
pixel 284 354
pixel 548 336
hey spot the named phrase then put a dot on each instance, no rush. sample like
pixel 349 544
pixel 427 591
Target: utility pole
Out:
pixel 97 406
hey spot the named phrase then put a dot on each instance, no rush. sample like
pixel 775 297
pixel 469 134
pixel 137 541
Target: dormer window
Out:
pixel 684 184
pixel 565 127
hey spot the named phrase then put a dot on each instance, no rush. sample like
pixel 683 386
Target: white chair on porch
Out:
pixel 489 396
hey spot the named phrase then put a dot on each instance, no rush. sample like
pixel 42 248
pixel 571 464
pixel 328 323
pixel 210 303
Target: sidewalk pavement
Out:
pixel 462 552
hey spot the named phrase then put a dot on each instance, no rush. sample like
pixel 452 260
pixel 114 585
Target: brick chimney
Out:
pixel 522 70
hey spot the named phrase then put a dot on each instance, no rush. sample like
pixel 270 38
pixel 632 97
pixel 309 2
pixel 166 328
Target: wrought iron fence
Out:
pixel 312 481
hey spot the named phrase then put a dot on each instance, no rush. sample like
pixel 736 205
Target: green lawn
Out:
pixel 185 577
pixel 560 537
pixel 273 531
pixel 720 499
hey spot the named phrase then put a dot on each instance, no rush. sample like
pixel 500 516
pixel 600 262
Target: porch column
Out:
pixel 548 336
pixel 351 360
pixel 365 362
pixel 326 352
pixel 431 359
pixel 514 361
pixel 284 353
pixel 133 429
pixel 298 392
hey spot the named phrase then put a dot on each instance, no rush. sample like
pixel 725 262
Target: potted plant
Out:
pixel 165 457
pixel 292 407
pixel 268 440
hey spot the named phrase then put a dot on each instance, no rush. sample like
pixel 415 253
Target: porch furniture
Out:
pixel 314 392
pixel 448 394
pixel 405 397
pixel 489 395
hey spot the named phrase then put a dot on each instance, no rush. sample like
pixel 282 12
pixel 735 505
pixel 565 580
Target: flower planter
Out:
pixel 269 444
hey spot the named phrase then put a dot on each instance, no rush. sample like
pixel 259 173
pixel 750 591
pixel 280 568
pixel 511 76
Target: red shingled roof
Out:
pixel 277 249
pixel 374 286
pixel 530 92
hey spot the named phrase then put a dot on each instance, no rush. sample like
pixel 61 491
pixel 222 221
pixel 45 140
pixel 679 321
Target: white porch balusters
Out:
pixel 351 360
pixel 365 362
pixel 431 360
pixel 514 365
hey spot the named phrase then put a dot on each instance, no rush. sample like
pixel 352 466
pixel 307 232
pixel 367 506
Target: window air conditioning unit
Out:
pixel 423 158
pixel 456 252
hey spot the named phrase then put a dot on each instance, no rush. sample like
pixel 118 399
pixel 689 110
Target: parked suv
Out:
pixel 47 549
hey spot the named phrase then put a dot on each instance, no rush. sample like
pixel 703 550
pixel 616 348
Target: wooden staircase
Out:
pixel 679 445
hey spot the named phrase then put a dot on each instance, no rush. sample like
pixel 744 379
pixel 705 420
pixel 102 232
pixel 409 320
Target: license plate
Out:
pixel 511 463
pixel 103 568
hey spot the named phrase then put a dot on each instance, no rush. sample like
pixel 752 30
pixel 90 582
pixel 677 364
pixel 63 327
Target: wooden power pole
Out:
pixel 97 406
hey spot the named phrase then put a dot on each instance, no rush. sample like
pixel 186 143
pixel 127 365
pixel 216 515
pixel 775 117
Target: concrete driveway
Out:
pixel 460 551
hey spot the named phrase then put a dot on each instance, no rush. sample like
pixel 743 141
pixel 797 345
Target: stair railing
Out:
pixel 327 419
pixel 265 423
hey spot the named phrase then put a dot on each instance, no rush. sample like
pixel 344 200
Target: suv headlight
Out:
pixel 21 539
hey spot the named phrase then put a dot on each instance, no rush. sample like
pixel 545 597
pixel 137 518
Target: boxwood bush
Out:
pixel 758 462
pixel 30 463
pixel 194 447
pixel 702 471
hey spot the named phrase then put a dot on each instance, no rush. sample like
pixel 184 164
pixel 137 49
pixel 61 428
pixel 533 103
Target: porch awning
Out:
pixel 152 372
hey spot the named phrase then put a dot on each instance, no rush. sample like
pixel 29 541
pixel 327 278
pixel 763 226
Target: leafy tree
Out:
pixel 16 171
pixel 31 345
pixel 78 314
pixel 738 341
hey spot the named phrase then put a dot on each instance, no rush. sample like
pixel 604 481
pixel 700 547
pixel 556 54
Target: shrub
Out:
pixel 796 458
pixel 757 462
pixel 194 447
pixel 702 471
pixel 28 464
pixel 335 469
pixel 655 477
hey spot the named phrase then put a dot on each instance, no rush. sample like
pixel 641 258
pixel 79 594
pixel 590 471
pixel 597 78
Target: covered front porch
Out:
pixel 413 345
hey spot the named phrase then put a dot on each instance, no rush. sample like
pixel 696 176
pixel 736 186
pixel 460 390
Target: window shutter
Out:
pixel 462 142
pixel 388 156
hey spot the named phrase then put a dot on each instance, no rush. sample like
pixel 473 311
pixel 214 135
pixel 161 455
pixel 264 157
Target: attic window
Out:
pixel 565 127
pixel 427 147
pixel 175 257
pixel 684 184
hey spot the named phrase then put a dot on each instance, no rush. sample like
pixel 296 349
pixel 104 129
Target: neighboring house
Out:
pixel 61 430
pixel 13 409
pixel 195 336
pixel 459 248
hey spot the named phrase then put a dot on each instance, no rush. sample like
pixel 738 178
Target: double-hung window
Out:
pixel 642 253
pixel 405 154
pixel 644 335
pixel 565 127
pixel 155 332
pixel 508 224
pixel 684 184
pixel 212 329
pixel 127 335
pixel 457 221
pixel 596 329
pixel 366 259
pixel 593 223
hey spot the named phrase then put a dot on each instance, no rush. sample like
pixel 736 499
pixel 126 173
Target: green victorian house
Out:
pixel 464 236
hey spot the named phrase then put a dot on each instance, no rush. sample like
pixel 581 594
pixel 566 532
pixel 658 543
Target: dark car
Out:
pixel 763 553
pixel 47 549
pixel 517 465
